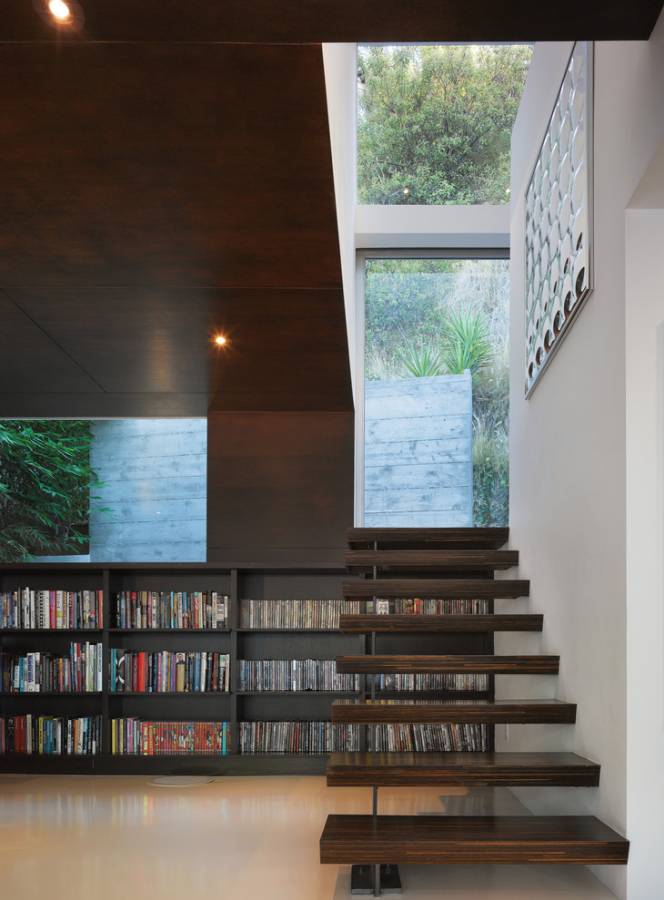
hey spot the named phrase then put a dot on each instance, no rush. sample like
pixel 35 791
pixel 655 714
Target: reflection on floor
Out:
pixel 78 838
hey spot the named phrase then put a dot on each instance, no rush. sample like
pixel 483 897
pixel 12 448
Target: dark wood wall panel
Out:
pixel 280 486
pixel 266 21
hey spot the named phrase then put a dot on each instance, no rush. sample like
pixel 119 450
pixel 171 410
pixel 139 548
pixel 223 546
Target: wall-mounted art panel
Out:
pixel 559 218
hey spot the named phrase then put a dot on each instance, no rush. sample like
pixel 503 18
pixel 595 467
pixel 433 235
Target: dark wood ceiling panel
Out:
pixel 287 348
pixel 156 193
pixel 266 21
pixel 154 164
pixel 32 362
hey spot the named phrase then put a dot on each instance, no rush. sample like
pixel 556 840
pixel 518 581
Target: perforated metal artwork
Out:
pixel 559 218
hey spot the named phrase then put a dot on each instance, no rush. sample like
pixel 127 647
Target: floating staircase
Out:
pixel 449 564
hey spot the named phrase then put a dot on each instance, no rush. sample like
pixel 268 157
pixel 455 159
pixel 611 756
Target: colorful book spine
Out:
pixel 311 614
pixel 426 738
pixel 298 737
pixel 26 609
pixel 80 671
pixel 139 737
pixel 294 675
pixel 428 606
pixel 177 610
pixel 432 682
pixel 167 671
pixel 50 735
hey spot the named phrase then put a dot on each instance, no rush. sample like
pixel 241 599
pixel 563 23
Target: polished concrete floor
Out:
pixel 79 838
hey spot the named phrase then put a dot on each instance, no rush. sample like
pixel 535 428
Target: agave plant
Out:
pixel 466 342
pixel 422 362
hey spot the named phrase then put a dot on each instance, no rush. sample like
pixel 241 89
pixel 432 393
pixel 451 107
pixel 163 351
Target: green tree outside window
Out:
pixel 435 123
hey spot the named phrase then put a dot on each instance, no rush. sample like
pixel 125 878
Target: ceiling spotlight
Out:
pixel 220 340
pixel 59 10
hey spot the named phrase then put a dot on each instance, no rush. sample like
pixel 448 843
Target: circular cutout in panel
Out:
pixel 580 278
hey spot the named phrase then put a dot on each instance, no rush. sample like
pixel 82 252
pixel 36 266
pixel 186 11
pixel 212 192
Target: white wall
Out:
pixel 391 226
pixel 340 63
pixel 568 458
pixel 645 533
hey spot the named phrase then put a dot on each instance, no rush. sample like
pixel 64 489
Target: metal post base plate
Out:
pixel 361 880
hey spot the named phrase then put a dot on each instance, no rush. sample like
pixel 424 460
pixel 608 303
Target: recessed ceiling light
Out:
pixel 220 340
pixel 59 10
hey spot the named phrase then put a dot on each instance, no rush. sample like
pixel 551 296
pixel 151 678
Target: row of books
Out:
pixel 426 738
pixel 297 737
pixel 132 736
pixel 51 609
pixel 198 610
pixel 192 610
pixel 166 671
pixel 51 735
pixel 80 671
pixel 429 606
pixel 290 614
pixel 294 675
pixel 432 682
pixel 147 738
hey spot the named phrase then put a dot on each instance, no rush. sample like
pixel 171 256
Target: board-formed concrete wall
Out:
pixel 418 465
pixel 152 504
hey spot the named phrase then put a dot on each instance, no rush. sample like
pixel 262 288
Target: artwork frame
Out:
pixel 559 276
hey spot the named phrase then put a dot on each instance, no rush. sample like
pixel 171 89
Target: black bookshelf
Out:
pixel 240 582
pixel 248 581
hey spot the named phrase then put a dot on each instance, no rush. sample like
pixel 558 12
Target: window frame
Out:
pixel 361 257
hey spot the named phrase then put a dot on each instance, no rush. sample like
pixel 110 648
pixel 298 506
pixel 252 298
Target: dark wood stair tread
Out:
pixel 581 840
pixel 365 560
pixel 491 538
pixel 478 711
pixel 423 663
pixel 363 623
pixel 473 588
pixel 393 769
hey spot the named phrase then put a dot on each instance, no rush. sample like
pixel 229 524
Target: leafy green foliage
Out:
pixel 422 362
pixel 434 123
pixel 466 343
pixel 45 482
pixel 490 474
pixel 406 302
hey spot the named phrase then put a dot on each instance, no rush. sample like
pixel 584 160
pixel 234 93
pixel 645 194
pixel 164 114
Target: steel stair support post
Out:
pixel 373 879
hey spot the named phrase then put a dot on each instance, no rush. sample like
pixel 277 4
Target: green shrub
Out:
pixel 434 122
pixel 466 343
pixel 490 474
pixel 45 482
pixel 422 362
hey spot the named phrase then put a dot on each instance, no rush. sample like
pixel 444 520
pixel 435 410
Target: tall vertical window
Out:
pixel 435 122
pixel 436 391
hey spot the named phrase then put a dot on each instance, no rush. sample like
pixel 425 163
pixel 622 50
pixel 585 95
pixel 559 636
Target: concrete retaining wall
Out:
pixel 418 467
pixel 154 474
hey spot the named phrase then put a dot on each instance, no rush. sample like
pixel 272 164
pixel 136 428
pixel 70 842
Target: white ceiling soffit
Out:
pixel 380 227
